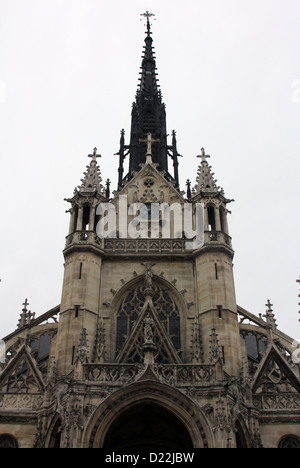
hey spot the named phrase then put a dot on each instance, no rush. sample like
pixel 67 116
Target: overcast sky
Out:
pixel 230 77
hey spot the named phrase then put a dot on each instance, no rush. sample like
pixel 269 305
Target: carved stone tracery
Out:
pixel 163 314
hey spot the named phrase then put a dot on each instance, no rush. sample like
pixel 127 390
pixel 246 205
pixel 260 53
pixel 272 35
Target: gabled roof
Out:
pixel 274 374
pixel 22 373
pixel 151 169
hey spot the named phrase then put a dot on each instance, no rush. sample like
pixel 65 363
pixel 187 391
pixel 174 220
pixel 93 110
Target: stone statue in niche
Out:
pixel 148 330
pixel 148 275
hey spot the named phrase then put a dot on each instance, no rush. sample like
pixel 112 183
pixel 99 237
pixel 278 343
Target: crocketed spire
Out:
pixel 148 122
pixel 205 181
pixel 92 177
pixel 270 316
pixel 26 316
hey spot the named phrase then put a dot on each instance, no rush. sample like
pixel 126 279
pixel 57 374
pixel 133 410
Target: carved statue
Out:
pixel 148 330
pixel 148 286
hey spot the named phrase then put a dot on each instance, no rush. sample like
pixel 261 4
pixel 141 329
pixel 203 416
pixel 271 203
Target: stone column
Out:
pixel 79 219
pixel 217 218
pixel 92 217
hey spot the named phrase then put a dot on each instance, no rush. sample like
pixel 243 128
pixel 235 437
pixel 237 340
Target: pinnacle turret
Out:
pixel 214 201
pixel 86 198
pixel 205 181
pixel 92 177
pixel 270 316
pixel 26 316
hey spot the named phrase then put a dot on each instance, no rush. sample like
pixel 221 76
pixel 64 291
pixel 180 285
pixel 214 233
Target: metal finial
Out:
pixel 188 192
pixel 147 15
pixel 269 305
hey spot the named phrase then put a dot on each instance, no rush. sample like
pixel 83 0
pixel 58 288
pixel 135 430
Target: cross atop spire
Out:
pixel 270 316
pixel 205 177
pixel 26 316
pixel 92 178
pixel 147 15
pixel 25 304
pixel 94 156
pixel 203 156
pixel 149 140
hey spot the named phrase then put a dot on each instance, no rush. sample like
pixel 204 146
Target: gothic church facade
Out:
pixel 148 348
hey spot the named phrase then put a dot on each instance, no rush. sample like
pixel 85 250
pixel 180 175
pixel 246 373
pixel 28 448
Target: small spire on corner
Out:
pixel 270 316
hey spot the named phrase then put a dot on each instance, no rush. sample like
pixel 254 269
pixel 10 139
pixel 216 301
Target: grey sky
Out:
pixel 230 77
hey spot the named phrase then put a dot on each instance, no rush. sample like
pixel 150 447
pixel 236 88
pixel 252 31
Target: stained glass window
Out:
pixel 255 345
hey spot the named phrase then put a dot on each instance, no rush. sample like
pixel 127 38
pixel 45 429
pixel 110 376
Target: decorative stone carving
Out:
pixel 82 355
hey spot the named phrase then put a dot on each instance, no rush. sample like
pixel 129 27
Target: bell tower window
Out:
pixel 211 218
pixel 86 218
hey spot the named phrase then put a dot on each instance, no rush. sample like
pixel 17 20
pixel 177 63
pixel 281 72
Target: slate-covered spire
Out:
pixel 149 87
pixel 148 117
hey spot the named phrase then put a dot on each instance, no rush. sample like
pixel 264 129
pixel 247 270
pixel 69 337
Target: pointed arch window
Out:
pixel 167 314
pixel 255 344
pixel 40 345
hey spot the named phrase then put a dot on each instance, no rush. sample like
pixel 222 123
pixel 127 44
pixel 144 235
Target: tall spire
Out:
pixel 148 82
pixel 148 117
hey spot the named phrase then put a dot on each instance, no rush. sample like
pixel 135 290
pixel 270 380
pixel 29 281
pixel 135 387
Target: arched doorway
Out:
pixel 165 409
pixel 147 426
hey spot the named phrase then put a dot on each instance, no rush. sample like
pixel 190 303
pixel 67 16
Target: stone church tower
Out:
pixel 148 348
